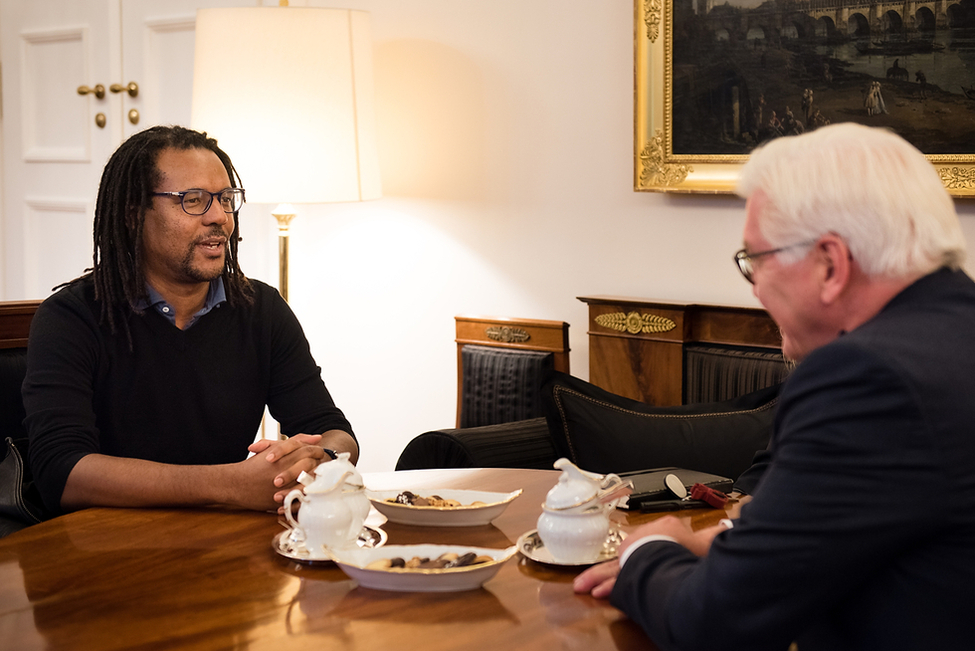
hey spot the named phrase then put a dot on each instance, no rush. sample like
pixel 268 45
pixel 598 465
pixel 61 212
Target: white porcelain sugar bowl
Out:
pixel 333 506
pixel 574 526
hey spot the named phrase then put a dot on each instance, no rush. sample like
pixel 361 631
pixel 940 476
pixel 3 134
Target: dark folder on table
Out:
pixel 651 494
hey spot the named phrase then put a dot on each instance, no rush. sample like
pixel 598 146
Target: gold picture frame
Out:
pixel 658 168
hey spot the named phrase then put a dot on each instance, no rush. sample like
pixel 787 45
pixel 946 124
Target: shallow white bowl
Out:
pixel 443 516
pixel 353 562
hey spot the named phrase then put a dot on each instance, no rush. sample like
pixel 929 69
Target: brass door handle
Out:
pixel 98 91
pixel 133 116
pixel 131 88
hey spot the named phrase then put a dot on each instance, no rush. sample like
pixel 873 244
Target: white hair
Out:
pixel 866 185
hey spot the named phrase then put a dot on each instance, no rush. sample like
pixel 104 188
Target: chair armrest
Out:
pixel 520 444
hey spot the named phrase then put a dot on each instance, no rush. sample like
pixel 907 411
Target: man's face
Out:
pixel 184 250
pixel 790 293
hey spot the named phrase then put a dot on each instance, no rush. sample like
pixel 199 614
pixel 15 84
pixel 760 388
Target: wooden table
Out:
pixel 208 579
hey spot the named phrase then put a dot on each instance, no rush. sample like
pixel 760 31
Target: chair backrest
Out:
pixel 15 319
pixel 714 373
pixel 501 365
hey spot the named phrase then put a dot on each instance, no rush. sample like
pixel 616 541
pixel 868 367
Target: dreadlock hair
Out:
pixel 124 196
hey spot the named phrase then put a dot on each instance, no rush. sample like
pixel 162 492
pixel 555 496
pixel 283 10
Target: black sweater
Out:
pixel 192 396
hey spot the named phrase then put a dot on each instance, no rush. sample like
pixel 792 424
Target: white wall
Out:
pixel 506 147
pixel 505 132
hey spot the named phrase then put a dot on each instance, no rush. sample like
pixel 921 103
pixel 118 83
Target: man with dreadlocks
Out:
pixel 148 376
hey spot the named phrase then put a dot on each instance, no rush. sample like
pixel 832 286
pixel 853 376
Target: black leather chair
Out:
pixel 519 444
pixel 15 318
pixel 710 434
pixel 502 365
pixel 603 432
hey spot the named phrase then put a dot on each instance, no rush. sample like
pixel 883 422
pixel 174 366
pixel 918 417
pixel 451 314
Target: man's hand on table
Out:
pixel 278 464
pixel 259 483
pixel 598 580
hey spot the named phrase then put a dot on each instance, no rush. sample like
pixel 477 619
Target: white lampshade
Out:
pixel 288 94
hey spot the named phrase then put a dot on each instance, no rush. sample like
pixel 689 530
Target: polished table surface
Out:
pixel 209 579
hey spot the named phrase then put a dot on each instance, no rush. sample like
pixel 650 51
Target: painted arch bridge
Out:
pixel 850 18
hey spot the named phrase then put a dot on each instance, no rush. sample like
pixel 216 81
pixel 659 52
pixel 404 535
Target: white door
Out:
pixel 54 144
pixel 157 54
pixel 53 149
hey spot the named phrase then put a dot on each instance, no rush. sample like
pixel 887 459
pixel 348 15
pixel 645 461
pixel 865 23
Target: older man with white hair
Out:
pixel 861 532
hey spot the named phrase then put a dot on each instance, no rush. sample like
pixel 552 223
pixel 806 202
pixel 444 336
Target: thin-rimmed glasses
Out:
pixel 744 259
pixel 197 202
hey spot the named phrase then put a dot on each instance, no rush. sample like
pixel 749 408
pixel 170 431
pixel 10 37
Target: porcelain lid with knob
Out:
pixel 574 488
pixel 333 474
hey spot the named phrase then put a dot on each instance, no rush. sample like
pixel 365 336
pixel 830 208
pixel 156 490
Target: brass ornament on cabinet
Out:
pixel 100 120
pixel 131 88
pixel 133 116
pixel 635 323
pixel 98 91
pixel 507 334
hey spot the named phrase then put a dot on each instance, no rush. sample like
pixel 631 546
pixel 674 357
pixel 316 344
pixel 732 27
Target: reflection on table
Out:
pixel 209 579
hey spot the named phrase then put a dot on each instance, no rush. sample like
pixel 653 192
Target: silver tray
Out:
pixel 531 546
pixel 289 546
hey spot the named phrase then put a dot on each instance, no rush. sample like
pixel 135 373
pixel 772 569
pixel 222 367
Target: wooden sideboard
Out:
pixel 15 318
pixel 637 346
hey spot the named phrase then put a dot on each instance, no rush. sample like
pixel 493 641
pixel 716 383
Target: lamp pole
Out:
pixel 284 213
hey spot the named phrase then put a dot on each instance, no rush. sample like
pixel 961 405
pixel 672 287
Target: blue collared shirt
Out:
pixel 216 295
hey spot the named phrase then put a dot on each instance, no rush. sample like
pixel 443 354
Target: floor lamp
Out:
pixel 288 94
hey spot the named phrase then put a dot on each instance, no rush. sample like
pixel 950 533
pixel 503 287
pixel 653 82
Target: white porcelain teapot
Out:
pixel 333 506
pixel 574 525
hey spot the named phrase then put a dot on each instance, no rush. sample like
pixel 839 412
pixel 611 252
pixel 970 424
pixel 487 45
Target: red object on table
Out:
pixel 713 497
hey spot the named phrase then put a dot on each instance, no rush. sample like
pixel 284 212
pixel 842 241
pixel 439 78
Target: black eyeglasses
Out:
pixel 197 202
pixel 744 259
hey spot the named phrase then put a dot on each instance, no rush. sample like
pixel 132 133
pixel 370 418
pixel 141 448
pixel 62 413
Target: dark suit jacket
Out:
pixel 861 533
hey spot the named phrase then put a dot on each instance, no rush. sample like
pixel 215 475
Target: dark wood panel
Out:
pixel 15 319
pixel 733 326
pixel 552 336
pixel 630 368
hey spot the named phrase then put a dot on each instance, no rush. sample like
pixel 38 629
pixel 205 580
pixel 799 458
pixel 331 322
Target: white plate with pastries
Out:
pixel 441 508
pixel 408 568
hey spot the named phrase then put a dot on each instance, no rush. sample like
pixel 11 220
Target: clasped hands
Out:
pixel 288 458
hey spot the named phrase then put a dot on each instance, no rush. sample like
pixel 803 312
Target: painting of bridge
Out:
pixel 745 71
pixel 846 17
